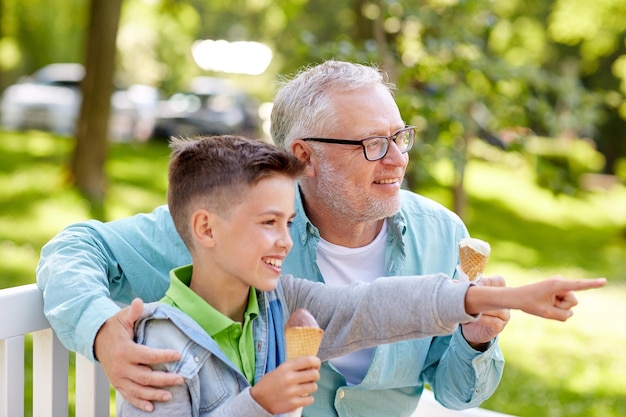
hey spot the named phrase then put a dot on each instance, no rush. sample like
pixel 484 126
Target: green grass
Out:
pixel 552 369
pixel 36 202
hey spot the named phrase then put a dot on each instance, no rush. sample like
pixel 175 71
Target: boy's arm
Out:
pixel 552 298
pixel 391 309
pixel 179 406
pixel 386 310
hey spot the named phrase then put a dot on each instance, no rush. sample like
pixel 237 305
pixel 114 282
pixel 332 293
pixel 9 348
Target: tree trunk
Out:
pixel 88 161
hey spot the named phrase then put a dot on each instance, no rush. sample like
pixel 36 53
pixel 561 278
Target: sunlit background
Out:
pixel 520 106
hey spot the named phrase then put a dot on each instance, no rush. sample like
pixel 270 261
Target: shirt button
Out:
pixel 196 358
pixel 341 394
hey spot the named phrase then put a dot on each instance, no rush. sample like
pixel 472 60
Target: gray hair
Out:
pixel 302 106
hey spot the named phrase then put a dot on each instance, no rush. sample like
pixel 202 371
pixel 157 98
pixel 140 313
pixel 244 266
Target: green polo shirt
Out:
pixel 235 340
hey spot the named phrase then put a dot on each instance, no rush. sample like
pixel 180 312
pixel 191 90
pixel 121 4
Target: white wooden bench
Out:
pixel 21 314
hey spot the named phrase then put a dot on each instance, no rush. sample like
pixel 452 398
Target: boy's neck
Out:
pixel 223 295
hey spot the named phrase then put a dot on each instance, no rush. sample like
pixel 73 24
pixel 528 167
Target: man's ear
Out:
pixel 202 222
pixel 304 153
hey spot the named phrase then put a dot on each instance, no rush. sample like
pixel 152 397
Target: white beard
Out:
pixel 347 202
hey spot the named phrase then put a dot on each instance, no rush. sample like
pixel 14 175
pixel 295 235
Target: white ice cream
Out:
pixel 478 245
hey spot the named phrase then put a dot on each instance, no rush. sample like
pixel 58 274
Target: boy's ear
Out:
pixel 202 227
pixel 304 153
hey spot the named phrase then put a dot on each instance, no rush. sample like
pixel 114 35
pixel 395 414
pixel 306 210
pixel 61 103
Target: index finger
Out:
pixel 147 381
pixel 585 284
pixel 153 356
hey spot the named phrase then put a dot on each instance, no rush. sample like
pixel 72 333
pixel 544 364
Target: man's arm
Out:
pixel 90 268
pixel 481 334
pixel 464 370
pixel 73 275
pixel 460 376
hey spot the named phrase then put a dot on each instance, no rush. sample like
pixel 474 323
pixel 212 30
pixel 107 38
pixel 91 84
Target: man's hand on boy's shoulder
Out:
pixel 127 364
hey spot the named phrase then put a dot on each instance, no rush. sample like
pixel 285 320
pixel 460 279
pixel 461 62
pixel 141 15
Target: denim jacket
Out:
pixel 354 317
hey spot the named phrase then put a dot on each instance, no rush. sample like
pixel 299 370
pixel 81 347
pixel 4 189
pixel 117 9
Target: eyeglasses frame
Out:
pixel 361 142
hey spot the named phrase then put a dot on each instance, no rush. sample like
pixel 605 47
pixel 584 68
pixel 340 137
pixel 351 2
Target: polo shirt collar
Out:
pixel 210 319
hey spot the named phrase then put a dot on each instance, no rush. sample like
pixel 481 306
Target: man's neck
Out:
pixel 351 236
pixel 342 231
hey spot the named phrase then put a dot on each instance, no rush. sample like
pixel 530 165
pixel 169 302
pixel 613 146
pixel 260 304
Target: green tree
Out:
pixel 465 69
pixel 594 36
pixel 38 32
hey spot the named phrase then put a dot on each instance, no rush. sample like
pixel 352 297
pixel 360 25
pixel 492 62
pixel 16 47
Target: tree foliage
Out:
pixel 503 70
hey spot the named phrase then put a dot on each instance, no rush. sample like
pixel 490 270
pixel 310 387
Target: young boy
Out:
pixel 231 200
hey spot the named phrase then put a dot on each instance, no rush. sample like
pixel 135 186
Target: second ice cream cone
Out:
pixel 474 254
pixel 303 341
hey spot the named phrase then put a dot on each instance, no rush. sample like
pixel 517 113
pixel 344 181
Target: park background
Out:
pixel 520 107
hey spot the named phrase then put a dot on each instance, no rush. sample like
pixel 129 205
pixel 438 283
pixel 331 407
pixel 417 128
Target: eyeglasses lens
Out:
pixel 404 140
pixel 376 148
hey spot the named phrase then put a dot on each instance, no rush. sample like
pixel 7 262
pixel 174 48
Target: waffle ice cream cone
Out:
pixel 303 341
pixel 303 335
pixel 474 254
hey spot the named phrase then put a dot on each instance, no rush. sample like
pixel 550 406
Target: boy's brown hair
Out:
pixel 214 172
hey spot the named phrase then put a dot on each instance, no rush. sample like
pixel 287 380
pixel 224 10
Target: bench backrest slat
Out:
pixel 12 376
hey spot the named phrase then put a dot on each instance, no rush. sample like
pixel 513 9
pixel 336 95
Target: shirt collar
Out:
pixel 211 320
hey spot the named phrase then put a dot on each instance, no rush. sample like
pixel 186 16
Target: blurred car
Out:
pixel 212 106
pixel 50 100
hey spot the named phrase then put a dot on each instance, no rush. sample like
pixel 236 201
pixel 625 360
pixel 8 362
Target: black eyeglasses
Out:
pixel 376 147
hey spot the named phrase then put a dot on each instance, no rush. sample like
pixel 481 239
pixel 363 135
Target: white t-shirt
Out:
pixel 339 266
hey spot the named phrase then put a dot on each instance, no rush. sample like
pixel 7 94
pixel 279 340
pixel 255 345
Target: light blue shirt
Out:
pixel 90 264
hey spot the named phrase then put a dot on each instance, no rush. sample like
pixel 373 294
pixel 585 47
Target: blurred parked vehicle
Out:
pixel 50 100
pixel 212 106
